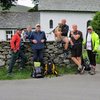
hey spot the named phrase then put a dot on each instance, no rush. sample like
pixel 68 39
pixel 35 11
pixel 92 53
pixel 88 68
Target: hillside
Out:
pixel 17 8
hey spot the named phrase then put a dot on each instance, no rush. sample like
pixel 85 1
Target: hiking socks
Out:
pixel 92 71
pixel 79 67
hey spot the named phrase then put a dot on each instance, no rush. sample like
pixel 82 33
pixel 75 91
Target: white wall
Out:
pixel 79 18
pixel 2 35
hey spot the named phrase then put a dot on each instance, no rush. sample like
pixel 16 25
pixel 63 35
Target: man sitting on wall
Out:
pixel 61 32
pixel 38 40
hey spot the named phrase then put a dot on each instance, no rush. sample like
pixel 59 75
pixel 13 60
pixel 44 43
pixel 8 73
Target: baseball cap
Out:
pixel 89 27
pixel 37 25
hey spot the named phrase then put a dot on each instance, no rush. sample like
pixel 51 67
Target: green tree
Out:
pixel 96 23
pixel 34 9
pixel 6 4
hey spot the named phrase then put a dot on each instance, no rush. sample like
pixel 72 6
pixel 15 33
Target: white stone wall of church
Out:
pixel 79 18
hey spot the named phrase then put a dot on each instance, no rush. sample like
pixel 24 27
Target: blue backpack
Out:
pixel 37 71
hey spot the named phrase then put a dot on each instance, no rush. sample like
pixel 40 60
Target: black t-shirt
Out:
pixel 65 29
pixel 79 41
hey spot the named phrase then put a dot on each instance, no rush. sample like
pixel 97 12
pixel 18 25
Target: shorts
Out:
pixel 62 38
pixel 76 50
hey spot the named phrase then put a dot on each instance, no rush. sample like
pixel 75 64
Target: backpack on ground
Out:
pixel 86 63
pixel 50 69
pixel 37 70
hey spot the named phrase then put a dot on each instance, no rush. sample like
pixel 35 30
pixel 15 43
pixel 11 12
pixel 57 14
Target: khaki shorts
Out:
pixel 62 38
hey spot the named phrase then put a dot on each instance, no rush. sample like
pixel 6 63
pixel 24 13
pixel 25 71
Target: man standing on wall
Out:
pixel 38 40
pixel 76 42
pixel 15 44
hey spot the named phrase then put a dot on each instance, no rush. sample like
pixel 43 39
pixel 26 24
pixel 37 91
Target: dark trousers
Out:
pixel 92 57
pixel 38 55
pixel 14 56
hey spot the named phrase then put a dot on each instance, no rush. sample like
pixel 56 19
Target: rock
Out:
pixel 57 60
pixel 61 56
pixel 52 56
pixel 66 62
pixel 46 54
pixel 56 52
pixel 55 49
pixel 51 47
pixel 60 51
pixel 45 58
pixel 2 63
pixel 2 57
pixel 6 47
pixel 46 50
pixel 8 56
pixel 50 51
pixel 5 53
pixel 1 50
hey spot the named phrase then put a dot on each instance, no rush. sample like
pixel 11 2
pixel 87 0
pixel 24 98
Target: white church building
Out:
pixel 49 14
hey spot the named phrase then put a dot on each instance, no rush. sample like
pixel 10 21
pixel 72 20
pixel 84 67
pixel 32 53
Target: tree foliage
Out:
pixel 96 23
pixel 34 9
pixel 6 4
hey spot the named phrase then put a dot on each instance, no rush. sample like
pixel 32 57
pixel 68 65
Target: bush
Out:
pixel 96 23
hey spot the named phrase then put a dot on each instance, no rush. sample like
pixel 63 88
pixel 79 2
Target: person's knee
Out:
pixel 79 58
pixel 72 58
pixel 66 40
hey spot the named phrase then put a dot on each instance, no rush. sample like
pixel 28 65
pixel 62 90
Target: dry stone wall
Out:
pixel 53 51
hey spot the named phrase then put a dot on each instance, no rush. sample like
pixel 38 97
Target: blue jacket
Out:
pixel 27 35
pixel 38 36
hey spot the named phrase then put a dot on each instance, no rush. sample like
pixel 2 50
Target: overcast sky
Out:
pixel 26 3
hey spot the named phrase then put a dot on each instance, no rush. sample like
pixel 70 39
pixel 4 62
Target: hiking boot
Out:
pixel 77 72
pixel 82 70
pixel 92 71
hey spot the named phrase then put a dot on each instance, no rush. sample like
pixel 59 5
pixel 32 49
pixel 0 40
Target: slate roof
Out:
pixel 69 5
pixel 18 19
pixel 18 8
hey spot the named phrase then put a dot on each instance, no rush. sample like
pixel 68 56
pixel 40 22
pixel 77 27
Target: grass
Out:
pixel 98 57
pixel 23 74
pixel 26 73
pixel 66 70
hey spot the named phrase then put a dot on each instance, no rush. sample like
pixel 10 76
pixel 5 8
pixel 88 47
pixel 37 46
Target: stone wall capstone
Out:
pixel 53 51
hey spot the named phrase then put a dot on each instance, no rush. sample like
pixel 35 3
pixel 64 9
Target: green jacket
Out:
pixel 95 41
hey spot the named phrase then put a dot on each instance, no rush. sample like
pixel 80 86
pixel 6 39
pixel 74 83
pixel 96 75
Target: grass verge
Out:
pixel 23 74
pixel 26 73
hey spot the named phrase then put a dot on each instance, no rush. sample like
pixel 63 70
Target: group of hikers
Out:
pixel 37 38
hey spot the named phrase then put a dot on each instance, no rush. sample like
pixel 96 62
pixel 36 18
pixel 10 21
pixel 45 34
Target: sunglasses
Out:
pixel 89 29
pixel 38 26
